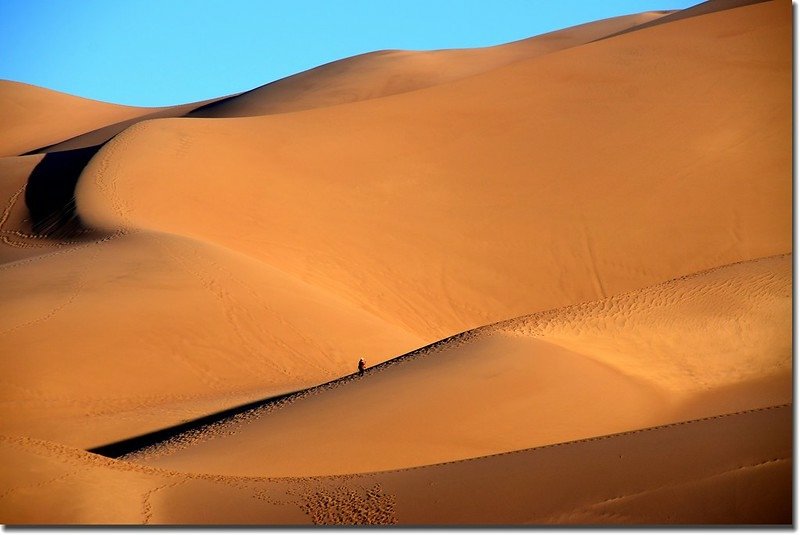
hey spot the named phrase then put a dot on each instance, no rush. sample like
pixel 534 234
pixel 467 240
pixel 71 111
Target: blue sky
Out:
pixel 161 52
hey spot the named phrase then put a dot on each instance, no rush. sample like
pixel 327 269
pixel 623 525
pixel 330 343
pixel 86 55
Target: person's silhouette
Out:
pixel 361 366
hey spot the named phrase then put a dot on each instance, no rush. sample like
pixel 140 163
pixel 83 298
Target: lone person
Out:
pixel 361 366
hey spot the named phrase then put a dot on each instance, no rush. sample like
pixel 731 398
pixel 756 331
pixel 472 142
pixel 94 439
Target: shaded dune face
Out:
pixel 50 192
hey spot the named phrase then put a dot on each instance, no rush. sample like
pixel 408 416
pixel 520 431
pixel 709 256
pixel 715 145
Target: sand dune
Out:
pixel 85 374
pixel 34 117
pixel 627 362
pixel 729 469
pixel 51 121
pixel 369 76
pixel 104 133
pixel 158 265
pixel 703 8
pixel 515 193
pixel 389 72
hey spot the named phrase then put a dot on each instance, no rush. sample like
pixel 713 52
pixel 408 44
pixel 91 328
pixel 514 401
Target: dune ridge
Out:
pixel 548 378
pixel 321 225
pixel 458 63
pixel 84 122
pixel 390 72
pixel 35 117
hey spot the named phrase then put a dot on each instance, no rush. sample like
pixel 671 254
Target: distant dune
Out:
pixel 389 72
pixel 572 253
pixel 34 117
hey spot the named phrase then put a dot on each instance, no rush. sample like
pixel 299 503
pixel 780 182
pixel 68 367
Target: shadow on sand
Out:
pixel 50 193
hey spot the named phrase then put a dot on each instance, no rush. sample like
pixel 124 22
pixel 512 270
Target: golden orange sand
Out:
pixel 34 117
pixel 615 365
pixel 604 212
pixel 723 470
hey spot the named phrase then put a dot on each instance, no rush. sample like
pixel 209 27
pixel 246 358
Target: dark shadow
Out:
pixel 201 111
pixel 50 192
pixel 140 442
pixel 130 445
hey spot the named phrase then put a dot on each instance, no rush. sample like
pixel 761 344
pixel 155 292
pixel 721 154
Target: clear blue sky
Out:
pixel 160 52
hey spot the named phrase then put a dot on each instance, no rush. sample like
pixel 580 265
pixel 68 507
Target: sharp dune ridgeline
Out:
pixel 567 261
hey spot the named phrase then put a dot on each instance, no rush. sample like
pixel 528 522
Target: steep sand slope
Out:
pixel 104 340
pixel 712 343
pixel 728 470
pixel 34 117
pixel 566 178
pixel 389 72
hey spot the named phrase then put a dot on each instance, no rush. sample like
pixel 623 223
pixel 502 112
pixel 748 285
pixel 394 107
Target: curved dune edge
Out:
pixel 34 117
pixel 523 383
pixel 514 192
pixel 236 331
pixel 728 469
pixel 390 72
pixel 72 122
pixel 44 120
pixel 373 75
pixel 366 76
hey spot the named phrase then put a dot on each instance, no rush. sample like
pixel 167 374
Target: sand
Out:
pixel 332 194
pixel 591 227
pixel 724 470
pixel 34 117
pixel 389 72
pixel 589 370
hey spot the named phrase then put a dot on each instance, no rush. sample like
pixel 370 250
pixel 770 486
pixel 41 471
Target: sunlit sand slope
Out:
pixel 388 72
pixel 713 343
pixel 107 339
pixel 566 178
pixel 45 119
pixel 725 470
pixel 34 117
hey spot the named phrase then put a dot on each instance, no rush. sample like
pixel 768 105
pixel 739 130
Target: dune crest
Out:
pixel 623 363
pixel 34 117
pixel 67 122
pixel 235 331
pixel 390 72
pixel 514 193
